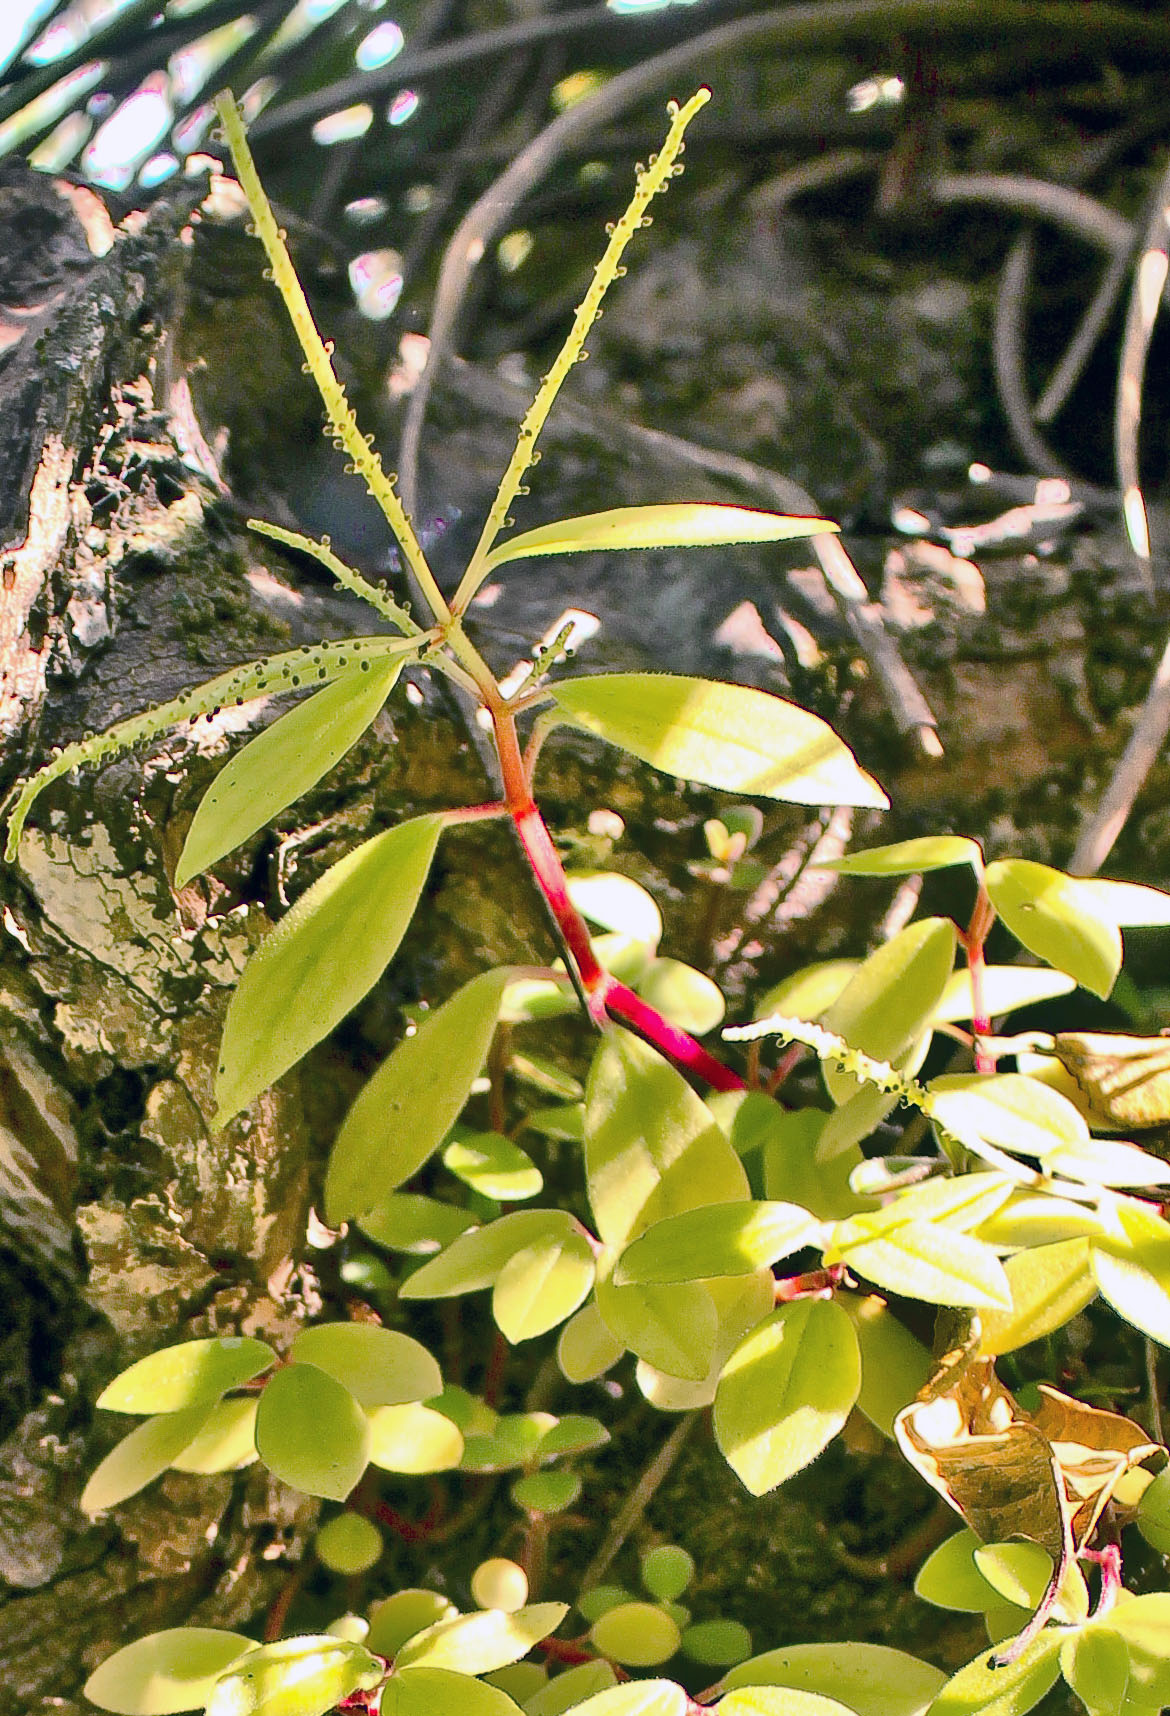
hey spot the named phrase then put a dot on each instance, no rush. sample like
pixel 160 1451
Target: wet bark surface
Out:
pixel 128 575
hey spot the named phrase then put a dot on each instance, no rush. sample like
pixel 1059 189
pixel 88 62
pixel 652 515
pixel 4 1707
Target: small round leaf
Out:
pixel 311 1432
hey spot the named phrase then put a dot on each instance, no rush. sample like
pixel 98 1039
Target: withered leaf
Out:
pixel 1125 1079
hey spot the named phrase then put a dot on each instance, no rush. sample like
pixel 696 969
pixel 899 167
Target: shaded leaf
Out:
pixel 1125 1079
pixel 542 1284
pixel 1058 918
pixel 405 1221
pixel 311 1432
pixel 379 1367
pixel 809 992
pixel 442 1692
pixel 142 1456
pixel 908 857
pixel 871 1679
pixel 165 1672
pixel 1095 1662
pixel 726 736
pixel 950 1577
pixel 410 1104
pixel 586 1347
pixel 1144 1624
pixel 321 959
pixel 475 1259
pixel 894 1363
pixel 571 1688
pixel 673 1328
pixel 187 1375
pixel 399 1617
pixel 680 524
pixel 546 1492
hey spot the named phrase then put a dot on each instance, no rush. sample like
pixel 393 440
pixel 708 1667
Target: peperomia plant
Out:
pixel 1015 1208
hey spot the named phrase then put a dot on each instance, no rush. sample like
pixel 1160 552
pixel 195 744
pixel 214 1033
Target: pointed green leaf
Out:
pixel 909 857
pixel 226 1442
pixel 586 1348
pixel 727 1239
pixel 575 1433
pixel 726 736
pixel 493 1166
pixel 541 1285
pixel 809 992
pixel 888 1000
pixel 142 1456
pixel 922 1261
pixel 1049 1284
pixel 1095 1662
pixel 406 1110
pixel 652 1148
pixel 775 1700
pixel 187 1374
pixel 1006 1111
pixel 673 1328
pixel 285 760
pixel 960 1202
pixel 786 1391
pixel 479 1643
pixel 166 1672
pixel 1011 1690
pixel 405 1221
pixel 295 1677
pixel 311 1432
pixel 570 1689
pixel 637 1698
pixel 871 1679
pixel 950 1577
pixel 413 1438
pixel 399 1617
pixel 440 1692
pixel 1107 1162
pixel 616 902
pixel 894 1364
pixel 321 959
pixel 1128 904
pixel 379 1367
pixel 1059 918
pixel 1131 1265
pixel 475 1259
pixel 1004 988
pixel 681 524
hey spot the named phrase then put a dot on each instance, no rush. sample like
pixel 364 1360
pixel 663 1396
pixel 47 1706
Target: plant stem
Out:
pixel 639 1500
pixel 974 939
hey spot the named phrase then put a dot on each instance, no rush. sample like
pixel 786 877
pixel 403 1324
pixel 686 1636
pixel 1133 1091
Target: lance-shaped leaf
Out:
pixel 304 1676
pixel 441 1692
pixel 774 1700
pixel 680 524
pixel 1003 989
pixel 483 1642
pixel 1009 1690
pixel 406 1110
pixel 1006 1112
pixel 492 1165
pixel 542 1284
pixel 886 1003
pixel 786 1391
pixel 187 1374
pixel 918 1245
pixel 1059 919
pixel 285 760
pixel 1131 1265
pixel 636 1698
pixel 166 1672
pixel 321 959
pixel 894 1364
pixel 1129 904
pixel 142 1456
pixel 909 857
pixel 871 1679
pixel 1049 1285
pixel 311 1432
pixel 726 736
pixel 379 1367
pixel 226 1442
pixel 726 1239
pixel 475 1259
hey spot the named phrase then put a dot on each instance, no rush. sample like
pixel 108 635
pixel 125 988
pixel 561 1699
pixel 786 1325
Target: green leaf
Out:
pixel 637 1698
pixel 1017 1572
pixel 1153 1513
pixel 586 1348
pixel 413 1438
pixel 295 1677
pixel 775 1700
pixel 311 1432
pixel 680 524
pixel 888 1000
pixel 1095 1663
pixel 546 1492
pixel 479 1643
pixel 1049 1284
pixel 894 1364
pixel 726 736
pixel 285 760
pixel 406 1110
pixel 165 1672
pixel 917 1245
pixel 475 1259
pixel 667 1571
pixel 793 1172
pixel 1131 1266
pixel 541 1285
pixel 348 1544
pixel 400 1617
pixel 673 1328
pixel 571 1688
pixel 978 1690
pixel 718 1644
pixel 616 902
pixel 1005 987
pixel 1106 1162
pixel 950 1577
pixel 575 1433
pixel 321 959
pixel 187 1375
pixel 909 857
pixel 726 1239
pixel 226 1442
pixel 142 1456
pixel 405 1221
pixel 637 1635
pixel 493 1166
pixel 1006 1111
pixel 440 1692
pixel 809 992
pixel 652 1148
pixel 685 997
pixel 379 1367
pixel 1128 904
pixel 786 1391
pixel 1059 918
pixel 871 1679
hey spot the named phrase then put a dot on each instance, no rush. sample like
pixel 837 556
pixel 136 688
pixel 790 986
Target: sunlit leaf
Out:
pixel 379 1367
pixel 542 1284
pixel 399 1617
pixel 308 1676
pixel 918 1245
pixel 226 1442
pixel 142 1456
pixel 572 1688
pixel 774 1700
pixel 492 1165
pixel 1007 1112
pixel 406 1221
pixel 1049 1284
pixel 673 1328
pixel 321 959
pixel 475 1259
pixel 1095 1662
pixel 1058 918
pixel 348 1544
pixel 637 1698
pixel 726 736
pixel 1003 989
pixel 1128 904
pixel 413 1438
pixel 809 992
pixel 311 1432
pixel 1131 1265
pixel 1011 1690
pixel 786 1391
pixel 950 1577
pixel 616 902
pixel 285 760
pixel 165 1672
pixel 187 1374
pixel 479 1643
pixel 908 857
pixel 871 1679
pixel 637 1635
pixel 586 1347
pixel 406 1110
pixel 685 524
pixel 726 1239
pixel 894 1364
pixel 888 1000
pixel 685 997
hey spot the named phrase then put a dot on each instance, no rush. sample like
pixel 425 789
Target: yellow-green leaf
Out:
pixel 673 1328
pixel 725 1239
pixel 1048 1284
pixel 1058 918
pixel 909 857
pixel 311 1432
pixel 379 1367
pixel 542 1284
pixel 475 1259
pixel 1011 1690
pixel 441 1692
pixel 187 1374
pixel 142 1456
pixel 166 1672
pixel 413 1438
pixel 482 1642
pixel 680 524
pixel 888 1000
pixel 871 1679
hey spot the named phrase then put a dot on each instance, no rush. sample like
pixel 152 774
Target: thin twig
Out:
pixel 1141 314
pixel 1007 350
pixel 638 1500
pixel 1099 834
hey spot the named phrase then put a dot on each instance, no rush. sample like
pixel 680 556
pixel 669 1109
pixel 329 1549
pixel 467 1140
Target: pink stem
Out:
pixel 679 1046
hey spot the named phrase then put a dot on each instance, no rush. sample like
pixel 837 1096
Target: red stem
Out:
pixel 974 939
pixel 679 1046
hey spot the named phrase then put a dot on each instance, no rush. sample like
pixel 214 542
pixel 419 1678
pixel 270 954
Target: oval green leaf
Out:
pixel 479 1643
pixel 570 1689
pixel 727 736
pixel 304 1676
pixel 413 1100
pixel 726 1239
pixel 1131 1266
pixel 685 997
pixel 673 1328
pixel 1059 919
pixel 1095 1662
pixel 1004 988
pixel 401 1616
pixel 226 1442
pixel 541 1285
pixel 165 1672
pixel 637 1698
pixel 950 1577
pixel 786 1391
pixel 1144 1624
pixel 321 959
pixel 1005 1111
pixel 886 1003
pixel 616 902
pixel 311 1432
pixel 546 1492
pixel 414 1438
pixel 440 1692
pixel 285 760
pixel 637 1635
pixel 493 1166
pixel 679 524
pixel 774 1700
pixel 1049 1284
pixel 406 1221
pixel 187 1374
pixel 1010 1690
pixel 871 1679
pixel 379 1367
pixel 142 1456
pixel 475 1259
pixel 586 1347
